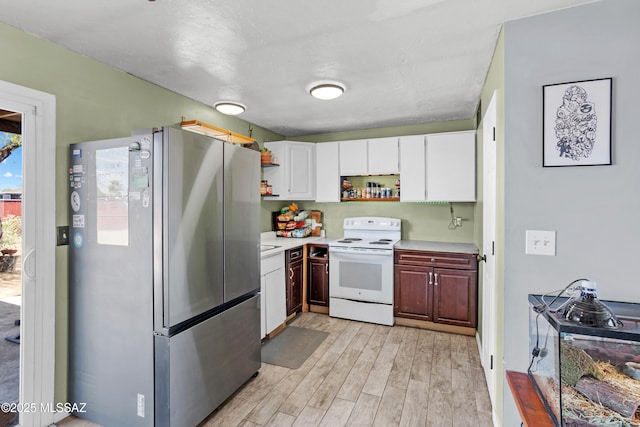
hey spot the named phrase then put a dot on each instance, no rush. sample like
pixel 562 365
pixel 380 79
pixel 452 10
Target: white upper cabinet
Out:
pixel 328 172
pixel 413 168
pixel 451 167
pixel 383 156
pixel 353 158
pixel 438 167
pixel 295 178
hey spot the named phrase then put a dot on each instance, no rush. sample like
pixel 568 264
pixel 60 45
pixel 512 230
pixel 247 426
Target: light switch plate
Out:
pixel 540 242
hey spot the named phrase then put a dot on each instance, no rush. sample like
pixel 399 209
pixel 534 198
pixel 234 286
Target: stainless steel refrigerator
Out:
pixel 164 311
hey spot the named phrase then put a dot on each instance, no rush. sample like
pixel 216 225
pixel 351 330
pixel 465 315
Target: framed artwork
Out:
pixel 576 129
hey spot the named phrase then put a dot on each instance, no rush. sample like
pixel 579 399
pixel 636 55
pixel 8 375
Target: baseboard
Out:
pixel 318 309
pixel 423 324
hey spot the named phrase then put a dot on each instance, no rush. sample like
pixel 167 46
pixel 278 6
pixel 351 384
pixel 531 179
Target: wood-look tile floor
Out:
pixel 365 375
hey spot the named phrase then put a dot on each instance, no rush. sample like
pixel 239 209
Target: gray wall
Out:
pixel 593 209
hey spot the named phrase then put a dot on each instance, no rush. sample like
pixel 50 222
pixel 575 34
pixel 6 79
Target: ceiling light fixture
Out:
pixel 327 91
pixel 229 108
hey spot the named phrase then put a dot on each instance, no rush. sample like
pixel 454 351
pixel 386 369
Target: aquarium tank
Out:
pixel 585 358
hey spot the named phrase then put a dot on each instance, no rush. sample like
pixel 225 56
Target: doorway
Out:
pixel 10 259
pixel 37 314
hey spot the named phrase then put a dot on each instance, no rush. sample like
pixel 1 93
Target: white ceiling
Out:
pixel 402 61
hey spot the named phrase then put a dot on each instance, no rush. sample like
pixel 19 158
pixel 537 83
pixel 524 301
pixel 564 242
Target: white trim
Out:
pixel 37 327
pixel 494 414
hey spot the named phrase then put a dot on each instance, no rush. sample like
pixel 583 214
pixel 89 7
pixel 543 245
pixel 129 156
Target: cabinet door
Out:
pixel 328 172
pixel 294 288
pixel 275 299
pixel 295 178
pixel 451 167
pixel 301 166
pixel 276 175
pixel 383 156
pixel 318 281
pixel 454 297
pixel 413 172
pixel 413 293
pixel 353 157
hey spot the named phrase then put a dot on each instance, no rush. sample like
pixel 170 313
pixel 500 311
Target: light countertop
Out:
pixel 424 245
pixel 284 243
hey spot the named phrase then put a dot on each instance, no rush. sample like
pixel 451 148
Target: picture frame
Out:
pixel 576 128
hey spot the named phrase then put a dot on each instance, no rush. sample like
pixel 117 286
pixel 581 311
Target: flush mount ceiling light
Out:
pixel 229 108
pixel 327 91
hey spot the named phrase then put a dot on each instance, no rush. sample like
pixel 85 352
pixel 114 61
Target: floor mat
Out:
pixel 291 347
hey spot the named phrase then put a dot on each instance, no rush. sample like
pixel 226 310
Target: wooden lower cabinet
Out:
pixel 294 272
pixel 318 275
pixel 413 294
pixel 454 297
pixel 425 291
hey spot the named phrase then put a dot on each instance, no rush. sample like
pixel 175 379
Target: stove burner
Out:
pixel 349 240
pixel 380 242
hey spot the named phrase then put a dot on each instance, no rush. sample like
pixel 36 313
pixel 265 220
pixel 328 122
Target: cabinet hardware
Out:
pixel 326 267
pixel 290 273
pixel 436 283
pixel 430 278
pixel 481 258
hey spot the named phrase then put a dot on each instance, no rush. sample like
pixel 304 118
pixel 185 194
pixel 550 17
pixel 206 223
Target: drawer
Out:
pixel 436 259
pixel 294 255
pixel 272 263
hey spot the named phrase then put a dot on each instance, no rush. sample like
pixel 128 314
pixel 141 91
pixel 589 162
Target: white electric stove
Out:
pixel 361 270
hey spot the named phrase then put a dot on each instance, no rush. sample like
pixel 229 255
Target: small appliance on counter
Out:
pixel 585 363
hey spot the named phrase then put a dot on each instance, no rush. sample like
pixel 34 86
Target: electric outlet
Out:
pixel 540 242
pixel 63 235
pixel 458 221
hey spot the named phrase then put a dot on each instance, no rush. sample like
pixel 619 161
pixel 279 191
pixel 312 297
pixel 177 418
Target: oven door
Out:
pixel 361 274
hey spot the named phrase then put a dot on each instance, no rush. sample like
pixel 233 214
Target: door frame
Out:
pixel 489 191
pixel 37 325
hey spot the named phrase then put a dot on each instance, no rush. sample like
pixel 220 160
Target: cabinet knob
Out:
pixel 433 260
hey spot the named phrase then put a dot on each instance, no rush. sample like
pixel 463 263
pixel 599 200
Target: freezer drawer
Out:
pixel 198 369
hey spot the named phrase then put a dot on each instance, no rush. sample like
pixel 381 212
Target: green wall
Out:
pixel 93 102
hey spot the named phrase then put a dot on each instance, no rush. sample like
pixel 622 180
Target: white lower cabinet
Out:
pixel 273 302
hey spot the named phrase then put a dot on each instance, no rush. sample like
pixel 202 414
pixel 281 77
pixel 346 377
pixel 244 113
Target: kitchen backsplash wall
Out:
pixel 420 221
